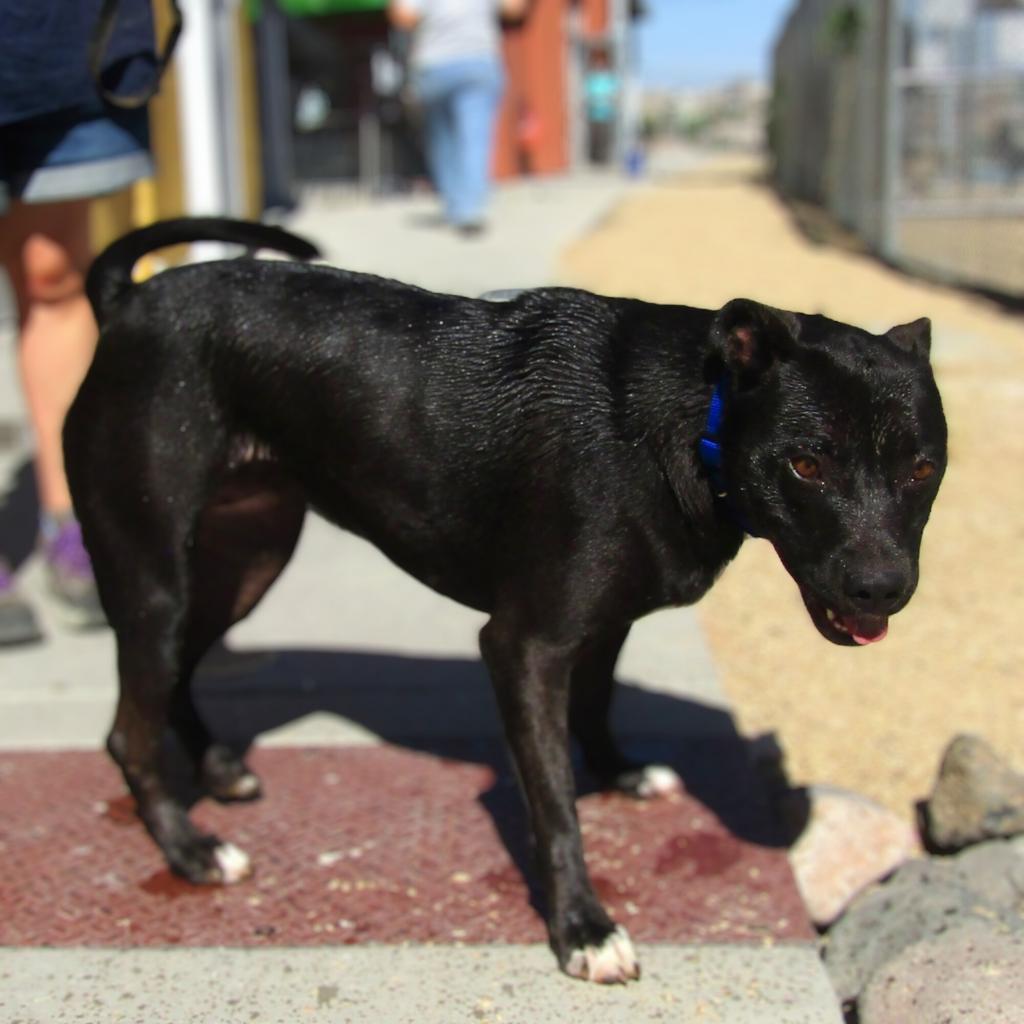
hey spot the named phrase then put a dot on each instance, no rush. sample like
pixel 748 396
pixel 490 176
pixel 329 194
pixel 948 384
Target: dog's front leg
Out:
pixel 590 703
pixel 531 679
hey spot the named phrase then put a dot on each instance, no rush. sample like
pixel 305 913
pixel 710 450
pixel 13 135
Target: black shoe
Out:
pixel 18 623
pixel 471 229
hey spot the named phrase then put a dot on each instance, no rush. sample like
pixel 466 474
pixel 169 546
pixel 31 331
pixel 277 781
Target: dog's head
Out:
pixel 834 445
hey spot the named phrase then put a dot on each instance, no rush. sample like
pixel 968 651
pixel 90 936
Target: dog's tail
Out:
pixel 110 275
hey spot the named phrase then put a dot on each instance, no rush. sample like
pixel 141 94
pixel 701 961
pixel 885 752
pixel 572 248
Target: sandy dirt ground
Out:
pixel 876 719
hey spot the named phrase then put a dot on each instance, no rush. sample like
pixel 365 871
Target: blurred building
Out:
pixel 729 116
pixel 347 117
pixel 265 95
pixel 905 118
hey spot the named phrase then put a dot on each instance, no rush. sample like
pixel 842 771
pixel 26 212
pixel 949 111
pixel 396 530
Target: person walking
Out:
pixel 458 78
pixel 74 79
pixel 601 93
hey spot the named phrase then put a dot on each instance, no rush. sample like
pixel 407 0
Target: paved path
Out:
pixel 369 703
pixel 531 223
pixel 410 985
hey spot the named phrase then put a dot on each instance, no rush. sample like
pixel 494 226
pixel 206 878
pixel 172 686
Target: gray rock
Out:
pixel 922 899
pixel 994 872
pixel 976 797
pixel 974 972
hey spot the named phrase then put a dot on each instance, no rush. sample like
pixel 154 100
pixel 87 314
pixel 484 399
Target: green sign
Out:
pixel 308 8
pixel 312 8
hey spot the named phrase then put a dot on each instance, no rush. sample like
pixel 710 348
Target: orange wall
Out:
pixel 533 126
pixel 595 15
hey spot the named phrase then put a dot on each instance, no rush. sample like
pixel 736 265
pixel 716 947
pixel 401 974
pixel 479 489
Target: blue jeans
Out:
pixel 460 102
pixel 86 151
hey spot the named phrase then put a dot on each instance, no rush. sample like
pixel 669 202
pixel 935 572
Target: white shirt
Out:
pixel 453 30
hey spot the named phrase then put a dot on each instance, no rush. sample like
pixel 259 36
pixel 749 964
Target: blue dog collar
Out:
pixel 710 445
pixel 710 450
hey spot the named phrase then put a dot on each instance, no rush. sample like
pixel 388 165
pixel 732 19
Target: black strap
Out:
pixel 98 49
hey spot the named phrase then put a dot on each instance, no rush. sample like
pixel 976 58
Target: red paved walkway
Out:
pixel 378 844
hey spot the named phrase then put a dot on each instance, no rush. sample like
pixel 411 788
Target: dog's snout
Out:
pixel 879 590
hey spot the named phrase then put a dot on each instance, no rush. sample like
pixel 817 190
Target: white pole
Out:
pixel 207 127
pixel 621 65
pixel 198 110
pixel 892 129
pixel 226 55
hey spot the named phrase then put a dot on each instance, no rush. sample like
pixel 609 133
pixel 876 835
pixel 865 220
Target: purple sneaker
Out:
pixel 70 574
pixel 18 623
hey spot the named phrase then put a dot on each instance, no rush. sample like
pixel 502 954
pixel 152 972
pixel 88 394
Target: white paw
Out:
pixel 244 786
pixel 659 780
pixel 233 863
pixel 613 962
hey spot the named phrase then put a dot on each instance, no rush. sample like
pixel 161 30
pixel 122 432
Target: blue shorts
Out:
pixel 87 151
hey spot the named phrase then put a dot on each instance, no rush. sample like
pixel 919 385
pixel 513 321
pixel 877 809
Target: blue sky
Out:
pixel 707 42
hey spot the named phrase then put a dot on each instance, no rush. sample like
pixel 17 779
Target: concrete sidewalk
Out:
pixel 531 223
pixel 345 652
pixel 407 985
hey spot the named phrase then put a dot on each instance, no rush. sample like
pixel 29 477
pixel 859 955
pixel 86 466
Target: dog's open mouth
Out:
pixel 843 627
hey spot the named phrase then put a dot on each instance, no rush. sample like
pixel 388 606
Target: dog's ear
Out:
pixel 915 338
pixel 750 337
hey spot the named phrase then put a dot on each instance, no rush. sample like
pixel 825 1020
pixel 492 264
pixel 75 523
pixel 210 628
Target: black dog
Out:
pixel 564 462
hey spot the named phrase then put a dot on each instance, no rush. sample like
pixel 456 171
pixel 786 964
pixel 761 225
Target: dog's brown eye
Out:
pixel 924 469
pixel 806 468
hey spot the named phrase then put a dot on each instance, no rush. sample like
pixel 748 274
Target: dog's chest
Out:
pixel 669 564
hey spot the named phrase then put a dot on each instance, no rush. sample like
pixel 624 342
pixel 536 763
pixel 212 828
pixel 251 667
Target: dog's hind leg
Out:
pixel 145 592
pixel 593 689
pixel 138 491
pixel 171 584
pixel 142 502
pixel 245 536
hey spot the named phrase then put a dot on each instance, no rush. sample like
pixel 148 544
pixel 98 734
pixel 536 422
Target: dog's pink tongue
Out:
pixel 866 631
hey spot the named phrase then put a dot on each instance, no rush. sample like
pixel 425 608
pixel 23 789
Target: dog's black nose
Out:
pixel 878 591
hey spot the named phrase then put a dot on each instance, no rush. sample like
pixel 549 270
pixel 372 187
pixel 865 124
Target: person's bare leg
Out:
pixel 45 250
pixel 58 333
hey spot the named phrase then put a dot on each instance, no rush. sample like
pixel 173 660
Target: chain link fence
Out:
pixel 905 118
